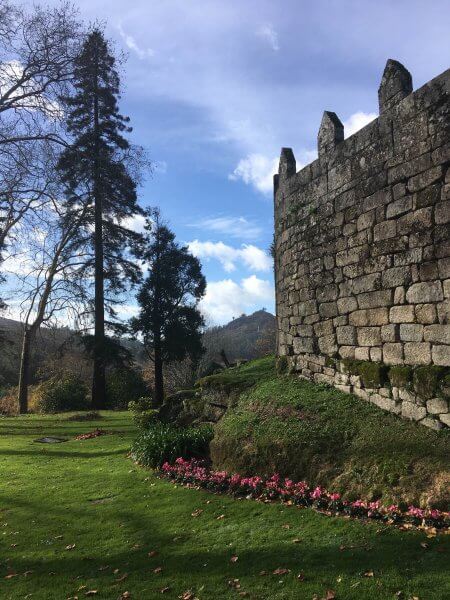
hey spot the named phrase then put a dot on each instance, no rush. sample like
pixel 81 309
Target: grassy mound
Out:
pixel 304 430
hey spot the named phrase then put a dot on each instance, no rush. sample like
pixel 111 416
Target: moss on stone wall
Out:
pixel 400 376
pixel 426 380
pixel 372 374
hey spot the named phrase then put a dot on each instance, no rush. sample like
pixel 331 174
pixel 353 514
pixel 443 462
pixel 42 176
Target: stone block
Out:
pixel 397 276
pixel 366 283
pixel 303 345
pixel 444 268
pixel 402 314
pixel 327 345
pixel 347 352
pixel 346 305
pixel 382 402
pixel 375 299
pixel 437 333
pixel 410 332
pixel 445 418
pixel 384 230
pixel 432 423
pixel 365 220
pixel 361 393
pixel 362 353
pixel 346 335
pixel 415 221
pixel 427 291
pixel 399 207
pixel 425 313
pixel 441 355
pixel 328 309
pixel 424 179
pixel 392 353
pixel 399 295
pixel 443 311
pixel 437 405
pixel 413 411
pixel 417 353
pixel 428 271
pixel 442 212
pixel 369 336
pixel 376 354
pixel 389 333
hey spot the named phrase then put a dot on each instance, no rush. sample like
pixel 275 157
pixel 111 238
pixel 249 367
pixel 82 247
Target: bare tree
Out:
pixel 37 47
pixel 52 285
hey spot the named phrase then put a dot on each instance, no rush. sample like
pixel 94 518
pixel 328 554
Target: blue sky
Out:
pixel 215 88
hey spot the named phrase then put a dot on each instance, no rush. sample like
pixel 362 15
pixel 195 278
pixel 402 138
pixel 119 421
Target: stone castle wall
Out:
pixel 362 253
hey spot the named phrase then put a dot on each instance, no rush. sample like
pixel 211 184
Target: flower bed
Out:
pixel 194 472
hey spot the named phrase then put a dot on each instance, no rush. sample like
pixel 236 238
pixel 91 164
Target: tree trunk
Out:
pixel 24 373
pixel 159 380
pixel 98 382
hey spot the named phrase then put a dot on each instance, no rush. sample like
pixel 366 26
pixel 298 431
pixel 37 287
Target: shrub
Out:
pixel 58 394
pixel 141 404
pixel 146 418
pixel 8 401
pixel 164 443
pixel 124 385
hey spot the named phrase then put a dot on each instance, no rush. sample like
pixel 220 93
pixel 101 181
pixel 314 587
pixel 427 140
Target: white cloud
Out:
pixel 226 299
pixel 136 223
pixel 131 43
pixel 268 33
pixel 257 170
pixel 237 227
pixel 357 121
pixel 248 255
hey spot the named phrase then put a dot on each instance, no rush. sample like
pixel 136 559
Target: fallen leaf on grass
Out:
pixel 11 575
pixel 70 547
pixel 122 578
pixel 125 595
pixel 58 537
pixel 91 593
pixel 296 541
pixel 234 558
pixel 330 595
pixel 263 573
pixel 286 526
pixel 157 570
pixel 234 583
pixel 197 512
pixel 103 568
pixel 301 576
pixel 153 553
pixel 281 571
pixel 424 545
pixel 28 573
pixel 220 517
pixel 368 574
pixel 187 596
pixel 164 590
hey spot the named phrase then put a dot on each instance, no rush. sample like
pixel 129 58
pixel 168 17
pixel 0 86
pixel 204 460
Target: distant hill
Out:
pixel 247 337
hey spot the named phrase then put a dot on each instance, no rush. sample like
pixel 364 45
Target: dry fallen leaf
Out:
pixel 286 526
pixel 164 590
pixel 301 576
pixel 103 568
pixel 424 545
pixel 234 583
pixel 70 547
pixel 157 570
pixel 263 573
pixel 281 571
pixel 368 574
pixel 125 595
pixel 296 541
pixel 91 593
pixel 187 596
pixel 197 512
pixel 122 578
pixel 153 553
pixel 220 517
pixel 11 575
pixel 234 558
pixel 330 595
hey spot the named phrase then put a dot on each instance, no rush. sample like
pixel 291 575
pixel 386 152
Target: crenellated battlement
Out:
pixel 363 251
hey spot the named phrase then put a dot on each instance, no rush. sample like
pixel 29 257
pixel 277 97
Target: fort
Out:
pixel 362 254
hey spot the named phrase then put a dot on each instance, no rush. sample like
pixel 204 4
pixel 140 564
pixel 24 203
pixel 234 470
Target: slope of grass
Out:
pixel 304 430
pixel 79 516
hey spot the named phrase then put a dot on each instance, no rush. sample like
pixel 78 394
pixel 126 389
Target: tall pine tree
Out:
pixel 169 320
pixel 95 173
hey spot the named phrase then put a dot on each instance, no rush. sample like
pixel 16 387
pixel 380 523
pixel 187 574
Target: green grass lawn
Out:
pixel 80 516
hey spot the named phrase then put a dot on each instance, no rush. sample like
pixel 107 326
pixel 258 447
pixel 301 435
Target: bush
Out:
pixel 141 404
pixel 122 386
pixel 164 443
pixel 59 394
pixel 146 418
pixel 8 401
